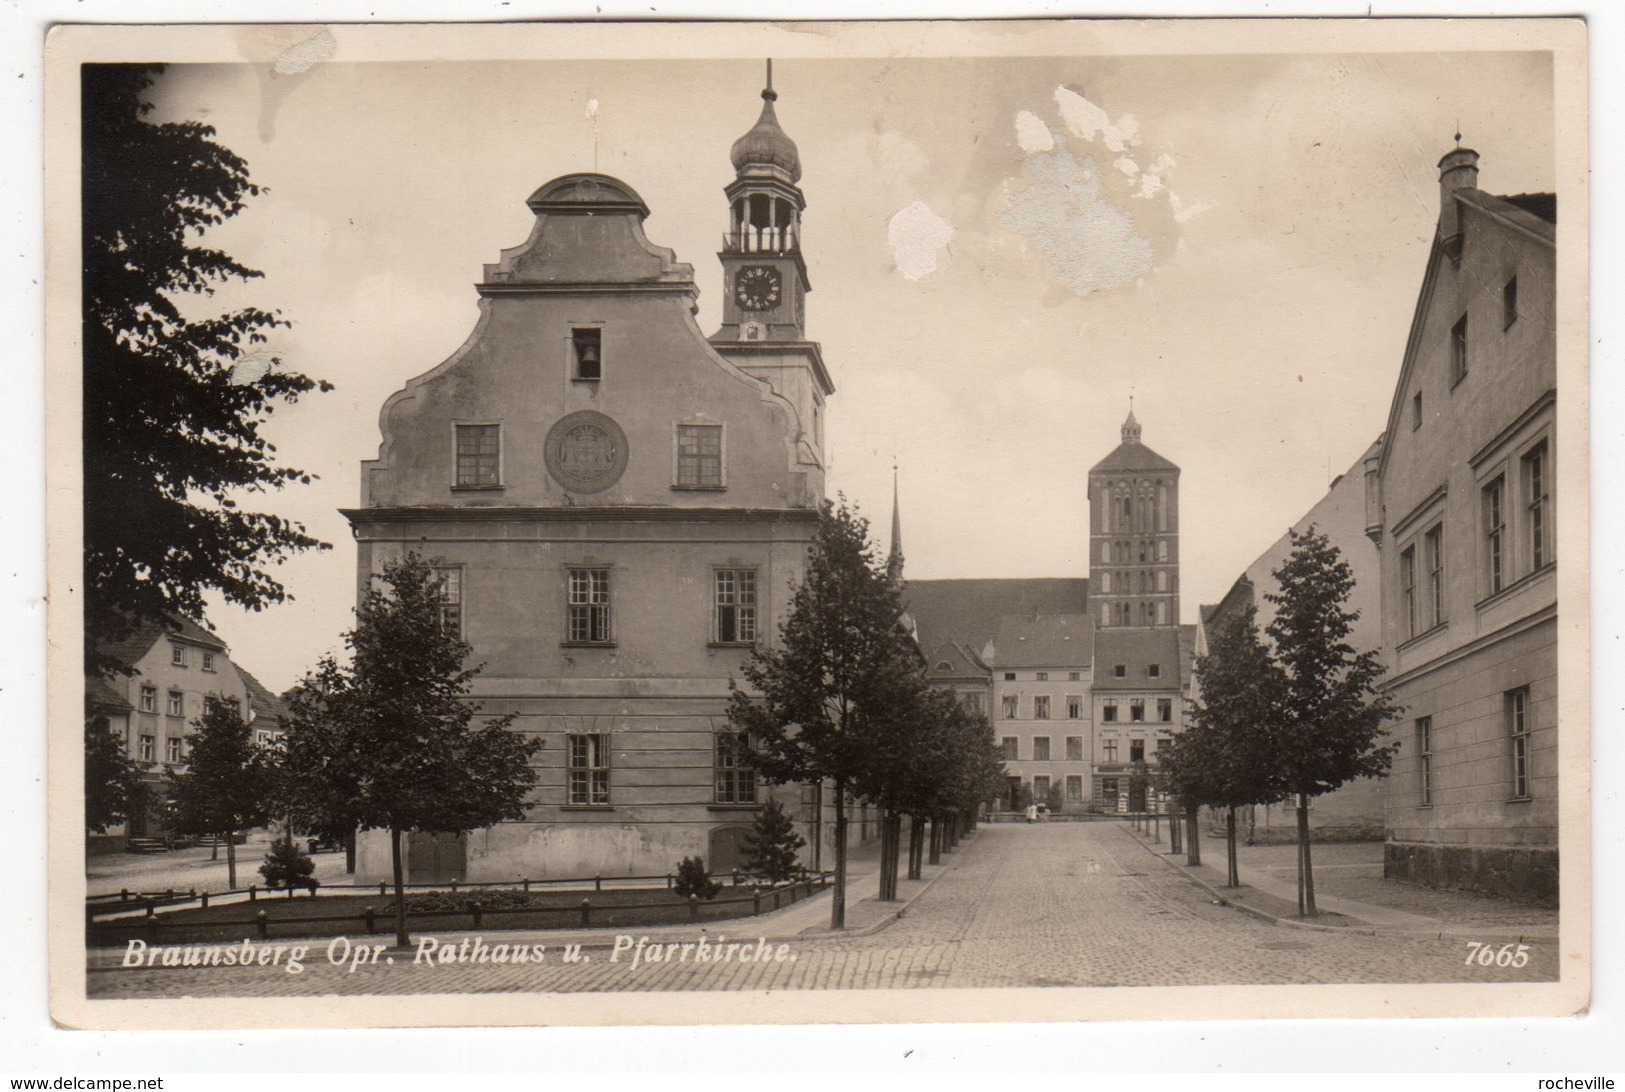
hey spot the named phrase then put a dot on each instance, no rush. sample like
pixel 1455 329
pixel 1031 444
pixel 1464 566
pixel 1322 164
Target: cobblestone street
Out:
pixel 1057 904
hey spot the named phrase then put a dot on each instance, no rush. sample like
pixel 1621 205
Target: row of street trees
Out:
pixel 843 699
pixel 1292 718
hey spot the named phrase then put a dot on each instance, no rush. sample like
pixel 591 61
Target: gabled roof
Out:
pixel 959 658
pixel 1056 640
pixel 100 697
pixel 1133 455
pixel 139 642
pixel 1533 213
pixel 1136 649
pixel 968 611
pixel 260 700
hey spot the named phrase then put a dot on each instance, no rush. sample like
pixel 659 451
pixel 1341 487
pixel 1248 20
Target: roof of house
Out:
pixel 952 659
pixel 968 611
pixel 1136 649
pixel 1054 640
pixel 260 700
pixel 140 641
pixel 100 697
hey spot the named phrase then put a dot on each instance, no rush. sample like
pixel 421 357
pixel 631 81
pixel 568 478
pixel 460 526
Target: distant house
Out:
pixel 1354 811
pixel 1461 501
pixel 174 669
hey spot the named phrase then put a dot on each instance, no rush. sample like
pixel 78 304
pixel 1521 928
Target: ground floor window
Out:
pixel 1074 787
pixel 589 769
pixel 1517 713
pixel 735 776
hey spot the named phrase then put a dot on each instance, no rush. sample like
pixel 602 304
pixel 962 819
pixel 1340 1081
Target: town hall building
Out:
pixel 619 507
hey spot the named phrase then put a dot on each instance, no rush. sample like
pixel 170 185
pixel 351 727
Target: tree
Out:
pixel 393 735
pixel 815 704
pixel 772 844
pixel 172 404
pixel 1335 716
pixel 226 788
pixel 286 865
pixel 694 880
pixel 113 789
pixel 1225 755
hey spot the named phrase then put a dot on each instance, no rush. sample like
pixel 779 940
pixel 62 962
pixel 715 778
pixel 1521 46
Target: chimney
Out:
pixel 1458 170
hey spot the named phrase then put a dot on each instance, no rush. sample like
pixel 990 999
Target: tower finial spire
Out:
pixel 894 558
pixel 1131 427
pixel 767 92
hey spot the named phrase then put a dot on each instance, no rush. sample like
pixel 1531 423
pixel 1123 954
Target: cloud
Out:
pixel 1032 134
pixel 1062 212
pixel 915 234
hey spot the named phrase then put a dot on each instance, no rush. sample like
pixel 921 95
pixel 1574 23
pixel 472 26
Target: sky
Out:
pixel 1003 251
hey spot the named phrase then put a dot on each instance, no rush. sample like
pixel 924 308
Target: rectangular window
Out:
pixel 177 655
pixel 1407 590
pixel 1424 761
pixel 735 620
pixel 148 749
pixel 1074 748
pixel 149 699
pixel 1517 706
pixel 1042 676
pixel 1136 750
pixel 1108 710
pixel 735 774
pixel 1416 411
pixel 972 701
pixel 1074 707
pixel 208 661
pixel 1008 706
pixel 1136 709
pixel 1108 751
pixel 1434 543
pixel 1509 303
pixel 1074 787
pixel 1073 676
pixel 1495 534
pixel 699 456
pixel 451 600
pixel 479 455
pixel 1009 676
pixel 1165 710
pixel 589 769
pixel 1041 707
pixel 1040 787
pixel 176 706
pixel 1012 748
pixel 1108 792
pixel 1040 748
pixel 1458 351
pixel 587 352
pixel 589 606
pixel 1535 487
pixel 172 749
pixel 1154 671
pixel 1120 671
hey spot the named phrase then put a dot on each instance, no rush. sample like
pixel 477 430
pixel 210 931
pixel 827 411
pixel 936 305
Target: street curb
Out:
pixel 1365 929
pixel 876 926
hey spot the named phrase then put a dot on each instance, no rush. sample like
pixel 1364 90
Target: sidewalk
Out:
pixel 1350 893
pixel 807 919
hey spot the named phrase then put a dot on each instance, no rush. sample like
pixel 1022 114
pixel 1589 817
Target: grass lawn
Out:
pixel 331 915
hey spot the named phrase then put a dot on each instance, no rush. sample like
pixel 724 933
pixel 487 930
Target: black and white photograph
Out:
pixel 703 523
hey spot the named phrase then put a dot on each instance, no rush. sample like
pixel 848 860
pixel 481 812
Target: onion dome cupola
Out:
pixel 766 278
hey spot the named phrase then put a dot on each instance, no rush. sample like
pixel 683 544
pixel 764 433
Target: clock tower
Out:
pixel 764 275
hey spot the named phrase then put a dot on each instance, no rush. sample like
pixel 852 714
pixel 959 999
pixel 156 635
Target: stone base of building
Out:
pixel 1331 832
pixel 1525 874
pixel 100 845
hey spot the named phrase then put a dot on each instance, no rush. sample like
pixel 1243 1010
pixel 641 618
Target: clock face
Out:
pixel 757 287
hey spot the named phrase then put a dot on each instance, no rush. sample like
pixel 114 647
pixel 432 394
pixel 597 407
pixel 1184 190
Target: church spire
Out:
pixel 894 558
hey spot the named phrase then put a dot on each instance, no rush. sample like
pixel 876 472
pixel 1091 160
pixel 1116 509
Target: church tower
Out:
pixel 764 277
pixel 1134 536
